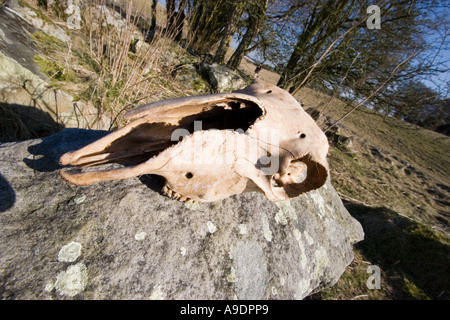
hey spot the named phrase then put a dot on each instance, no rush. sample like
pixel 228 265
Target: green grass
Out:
pixel 55 70
pixel 48 44
pixel 412 257
pixel 57 60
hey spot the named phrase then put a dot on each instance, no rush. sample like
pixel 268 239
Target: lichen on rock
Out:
pixel 72 281
pixel 70 252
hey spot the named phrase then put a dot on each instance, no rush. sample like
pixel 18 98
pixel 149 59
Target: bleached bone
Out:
pixel 214 146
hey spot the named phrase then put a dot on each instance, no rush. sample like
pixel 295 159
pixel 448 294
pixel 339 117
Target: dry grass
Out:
pixel 144 7
pixel 110 66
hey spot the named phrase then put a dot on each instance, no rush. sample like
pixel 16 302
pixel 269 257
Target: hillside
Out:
pixel 393 177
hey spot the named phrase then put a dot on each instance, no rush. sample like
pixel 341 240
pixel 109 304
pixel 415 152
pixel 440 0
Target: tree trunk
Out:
pixel 170 7
pixel 256 18
pixel 239 54
pixel 321 23
pixel 206 24
pixel 226 37
pixel 175 19
pixel 312 26
pixel 288 71
pixel 153 25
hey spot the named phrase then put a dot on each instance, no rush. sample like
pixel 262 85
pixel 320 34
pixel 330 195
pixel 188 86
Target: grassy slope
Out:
pixel 399 194
pixel 410 173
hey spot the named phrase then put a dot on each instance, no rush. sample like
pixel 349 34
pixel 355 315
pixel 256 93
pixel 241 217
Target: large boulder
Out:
pixel 125 240
pixel 23 87
pixel 187 74
pixel 38 20
pixel 221 78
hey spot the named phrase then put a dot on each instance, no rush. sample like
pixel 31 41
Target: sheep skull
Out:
pixel 214 146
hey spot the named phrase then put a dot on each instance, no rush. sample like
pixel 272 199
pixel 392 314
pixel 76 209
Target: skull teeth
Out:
pixel 175 195
pixel 167 191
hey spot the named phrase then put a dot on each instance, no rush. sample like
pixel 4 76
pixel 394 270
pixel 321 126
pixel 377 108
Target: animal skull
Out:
pixel 213 146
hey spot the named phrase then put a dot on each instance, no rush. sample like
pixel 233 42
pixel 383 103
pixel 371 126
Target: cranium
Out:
pixel 213 146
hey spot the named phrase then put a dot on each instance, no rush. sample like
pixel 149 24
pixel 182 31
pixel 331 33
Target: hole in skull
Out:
pixel 189 175
pixel 302 136
pixel 234 105
pixel 295 173
pixel 225 115
pixel 270 91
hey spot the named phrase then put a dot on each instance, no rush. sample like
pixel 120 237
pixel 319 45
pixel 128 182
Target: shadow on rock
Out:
pixel 153 182
pixel 19 122
pixel 414 257
pixel 7 195
pixel 46 154
pixel 49 150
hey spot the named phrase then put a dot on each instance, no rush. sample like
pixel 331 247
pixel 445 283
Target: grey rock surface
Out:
pixel 188 74
pixel 15 40
pixel 35 18
pixel 221 78
pixel 25 91
pixel 125 240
